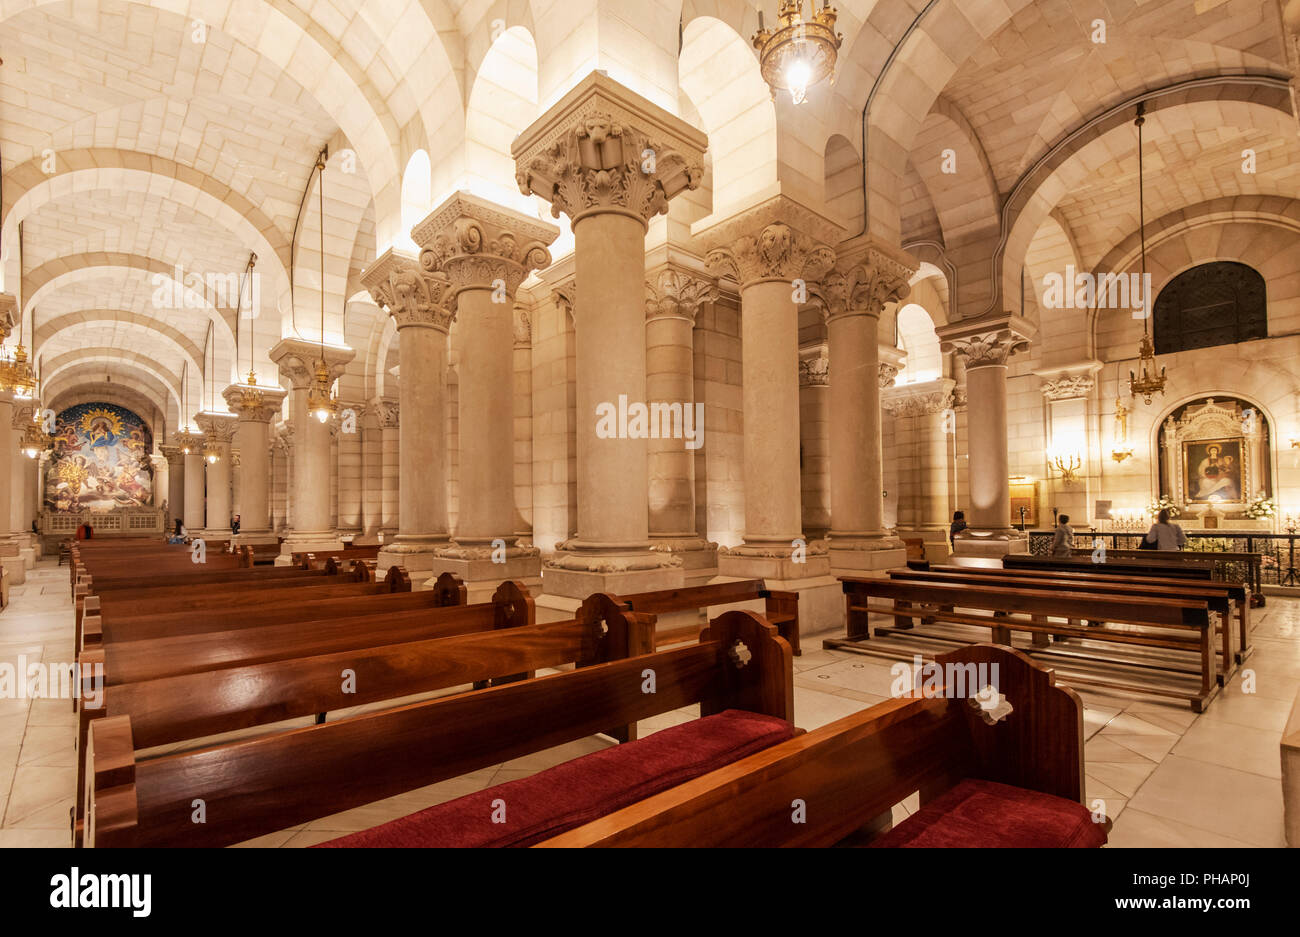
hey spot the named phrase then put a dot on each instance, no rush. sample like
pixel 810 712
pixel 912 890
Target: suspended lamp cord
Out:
pixel 1142 217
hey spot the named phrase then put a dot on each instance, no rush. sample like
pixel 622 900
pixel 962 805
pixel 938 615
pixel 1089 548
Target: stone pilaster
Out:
pixel 984 345
pixel 610 160
pixel 309 493
pixel 175 486
pixel 814 436
pixel 773 251
pixel 255 407
pixel 485 251
pixel 869 275
pixel 1069 399
pixel 415 295
pixel 673 297
pixel 20 518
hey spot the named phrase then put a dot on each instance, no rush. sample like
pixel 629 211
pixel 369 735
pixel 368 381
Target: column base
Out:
pixel 990 543
pixel 699 556
pixel 255 537
pixel 307 541
pixel 576 570
pixel 11 557
pixel 821 597
pixel 418 555
pixel 484 568
pixel 854 555
pixel 367 538
pixel 935 540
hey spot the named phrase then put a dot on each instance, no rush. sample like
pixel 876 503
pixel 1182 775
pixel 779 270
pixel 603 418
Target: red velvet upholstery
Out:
pixel 983 814
pixel 578 791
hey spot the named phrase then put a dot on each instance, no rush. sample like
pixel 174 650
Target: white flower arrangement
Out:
pixel 1261 506
pixel 1163 503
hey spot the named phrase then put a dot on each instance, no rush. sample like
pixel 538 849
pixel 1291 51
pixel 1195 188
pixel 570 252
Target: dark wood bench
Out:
pixel 780 608
pixel 1222 564
pixel 846 777
pixel 1215 596
pixel 313 559
pixel 258 786
pixel 1166 623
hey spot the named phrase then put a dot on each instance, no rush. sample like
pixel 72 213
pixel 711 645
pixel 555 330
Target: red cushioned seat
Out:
pixel 578 791
pixel 986 815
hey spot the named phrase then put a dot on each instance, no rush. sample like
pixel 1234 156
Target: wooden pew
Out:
pixel 853 771
pixel 259 553
pixel 1216 597
pixel 258 786
pixel 313 559
pixel 256 608
pixel 1217 562
pixel 1182 624
pixel 780 608
pixel 1126 571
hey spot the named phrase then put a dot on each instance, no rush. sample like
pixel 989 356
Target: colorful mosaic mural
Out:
pixel 100 460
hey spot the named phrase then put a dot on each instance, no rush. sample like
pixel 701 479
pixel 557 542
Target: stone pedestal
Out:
pixel 610 160
pixel 984 345
pixel 256 406
pixel 310 495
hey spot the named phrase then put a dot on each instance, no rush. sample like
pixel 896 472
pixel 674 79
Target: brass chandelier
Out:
pixel 1150 383
pixel 321 402
pixel 250 397
pixel 799 53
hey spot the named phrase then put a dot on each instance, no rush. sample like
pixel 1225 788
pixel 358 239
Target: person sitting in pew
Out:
pixel 1164 534
pixel 1063 542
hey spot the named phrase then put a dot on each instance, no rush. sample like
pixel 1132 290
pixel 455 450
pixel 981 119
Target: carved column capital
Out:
pixel 778 239
pixel 8 314
pixel 867 276
pixel 481 245
pixel 673 293
pixel 24 412
pixel 1068 388
pixel 217 428
pixel 986 342
pixel 814 368
pixel 565 297
pixel 919 399
pixel 523 327
pixel 253 403
pixel 387 412
pixel 297 360
pixel 415 296
pixel 888 373
pixel 175 458
pixel 604 148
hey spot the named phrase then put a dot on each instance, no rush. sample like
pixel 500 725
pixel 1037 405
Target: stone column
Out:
pixel 218 430
pixel 485 252
pixel 256 407
pixel 869 275
pixel 351 483
pixel 10 546
pixel 415 296
pixel 194 490
pixel 175 486
pixel 388 415
pixel 281 460
pixel 984 345
pixel 611 161
pixel 371 476
pixel 310 492
pixel 523 447
pixel 673 297
pixel 20 518
pixel 928 408
pixel 814 439
pixel 773 250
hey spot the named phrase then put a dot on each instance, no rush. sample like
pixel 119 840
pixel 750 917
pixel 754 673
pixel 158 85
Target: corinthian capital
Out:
pixel 297 360
pixel 868 275
pixel 217 428
pixel 480 245
pixel 678 294
pixel 986 342
pixel 412 295
pixel 604 148
pixel 8 314
pixel 779 239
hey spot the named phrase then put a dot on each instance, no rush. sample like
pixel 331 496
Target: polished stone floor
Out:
pixel 1167 776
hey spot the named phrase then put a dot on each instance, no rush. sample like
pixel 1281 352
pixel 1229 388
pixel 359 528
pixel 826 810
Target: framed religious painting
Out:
pixel 1024 494
pixel 1212 471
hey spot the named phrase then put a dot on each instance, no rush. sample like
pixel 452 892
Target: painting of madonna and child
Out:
pixel 1212 470
pixel 100 460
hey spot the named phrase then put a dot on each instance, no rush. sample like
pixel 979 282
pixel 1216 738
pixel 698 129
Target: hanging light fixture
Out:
pixel 799 53
pixel 186 441
pixel 320 400
pixel 34 440
pixel 250 398
pixel 1150 383
pixel 211 454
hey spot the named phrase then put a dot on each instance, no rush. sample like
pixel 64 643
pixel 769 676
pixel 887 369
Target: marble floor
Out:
pixel 1167 776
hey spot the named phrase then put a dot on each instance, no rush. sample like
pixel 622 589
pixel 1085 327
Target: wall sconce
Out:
pixel 1067 463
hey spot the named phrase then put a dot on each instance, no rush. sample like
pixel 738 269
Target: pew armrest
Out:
pixel 112 813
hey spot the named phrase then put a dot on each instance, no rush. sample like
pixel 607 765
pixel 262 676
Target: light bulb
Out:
pixel 797 75
pixel 322 414
pixel 31 452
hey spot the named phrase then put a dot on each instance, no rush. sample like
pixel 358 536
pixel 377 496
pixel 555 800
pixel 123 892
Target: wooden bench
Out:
pixel 1215 595
pixel 254 787
pixel 1165 623
pixel 1129 571
pixel 1218 562
pixel 780 608
pixel 257 554
pixel 847 775
pixel 313 559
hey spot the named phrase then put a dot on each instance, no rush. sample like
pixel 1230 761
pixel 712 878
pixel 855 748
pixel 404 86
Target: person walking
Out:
pixel 1165 534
